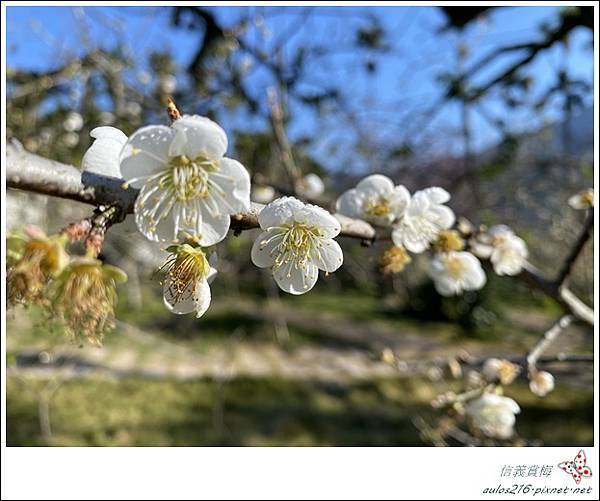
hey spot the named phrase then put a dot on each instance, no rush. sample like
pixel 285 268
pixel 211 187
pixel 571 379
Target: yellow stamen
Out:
pixel 378 207
pixel 186 265
pixel 449 240
pixel 394 259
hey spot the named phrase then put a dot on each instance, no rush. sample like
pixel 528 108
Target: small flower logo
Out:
pixel 577 468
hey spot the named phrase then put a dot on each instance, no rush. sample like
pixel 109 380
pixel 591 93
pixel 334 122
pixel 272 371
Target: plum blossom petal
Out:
pixel 197 298
pixel 329 256
pixel 265 247
pixel 296 280
pixel 203 137
pixel 102 157
pixel 145 153
pixel 279 212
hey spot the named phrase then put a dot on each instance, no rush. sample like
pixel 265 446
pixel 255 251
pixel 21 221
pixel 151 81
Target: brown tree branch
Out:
pixel 276 118
pixel 561 294
pixel 576 250
pixel 29 172
pixel 549 337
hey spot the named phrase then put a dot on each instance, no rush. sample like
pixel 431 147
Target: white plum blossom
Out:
pixel 73 122
pixel 102 157
pixel 493 415
pixel 310 186
pixel 541 383
pixel 510 251
pixel 425 217
pixel 582 200
pixel 188 275
pixel 375 199
pixel 455 272
pixel 506 251
pixel 496 369
pixel 188 187
pixel 262 194
pixel 297 242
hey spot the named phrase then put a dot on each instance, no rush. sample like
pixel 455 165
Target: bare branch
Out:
pixel 560 294
pixel 569 20
pixel 549 337
pixel 573 304
pixel 29 172
pixel 571 259
pixel 276 117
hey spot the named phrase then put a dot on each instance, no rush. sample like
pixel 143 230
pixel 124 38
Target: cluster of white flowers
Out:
pixel 494 415
pixel 416 222
pixel 421 222
pixel 188 192
pixel 189 189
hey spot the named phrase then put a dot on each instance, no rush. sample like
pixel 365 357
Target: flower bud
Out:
pixel 541 383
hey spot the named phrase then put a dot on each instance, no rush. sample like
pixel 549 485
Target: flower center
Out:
pixel 188 178
pixel 449 240
pixel 455 267
pixel 299 243
pixel 185 266
pixel 377 206
pixel 587 197
pixel 499 240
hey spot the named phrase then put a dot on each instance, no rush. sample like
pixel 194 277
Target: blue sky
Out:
pixel 387 102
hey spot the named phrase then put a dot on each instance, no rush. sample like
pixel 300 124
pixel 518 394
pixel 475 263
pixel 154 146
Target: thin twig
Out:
pixel 549 337
pixel 277 123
